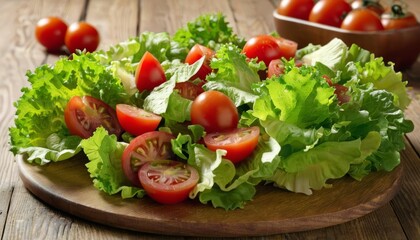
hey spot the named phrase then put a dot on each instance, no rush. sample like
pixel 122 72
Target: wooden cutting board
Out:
pixel 67 186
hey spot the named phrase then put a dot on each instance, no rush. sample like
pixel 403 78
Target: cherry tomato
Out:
pixel 330 12
pixel 287 47
pixel 398 19
pixel 84 114
pixel 296 8
pixel 50 32
pixel 168 181
pixel 263 47
pixel 150 146
pixel 340 90
pixel 188 90
pixel 362 19
pixel 214 111
pixel 276 67
pixel 82 35
pixel 149 73
pixel 239 143
pixel 136 121
pixel 195 54
pixel 373 5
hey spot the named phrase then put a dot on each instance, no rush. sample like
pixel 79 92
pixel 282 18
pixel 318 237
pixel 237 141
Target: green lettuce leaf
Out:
pixel 40 109
pixel 104 154
pixel 210 30
pixel 305 171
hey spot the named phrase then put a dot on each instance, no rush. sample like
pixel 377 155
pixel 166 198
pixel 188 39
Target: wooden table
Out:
pixel 22 216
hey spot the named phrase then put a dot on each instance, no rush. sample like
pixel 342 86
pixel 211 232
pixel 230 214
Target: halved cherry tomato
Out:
pixel 287 47
pixel 149 73
pixel 340 90
pixel 136 121
pixel 150 146
pixel 195 54
pixel 214 111
pixel 188 90
pixel 50 32
pixel 82 35
pixel 296 8
pixel 330 12
pixel 168 181
pixel 84 114
pixel 239 143
pixel 362 19
pixel 398 18
pixel 263 47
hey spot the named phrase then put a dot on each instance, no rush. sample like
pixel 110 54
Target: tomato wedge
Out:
pixel 168 181
pixel 195 54
pixel 188 90
pixel 340 90
pixel 149 73
pixel 145 148
pixel 136 121
pixel 84 114
pixel 238 143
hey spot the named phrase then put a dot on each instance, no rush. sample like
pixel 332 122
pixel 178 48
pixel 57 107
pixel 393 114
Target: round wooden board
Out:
pixel 67 186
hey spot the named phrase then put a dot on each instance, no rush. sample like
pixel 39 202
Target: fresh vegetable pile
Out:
pixel 197 114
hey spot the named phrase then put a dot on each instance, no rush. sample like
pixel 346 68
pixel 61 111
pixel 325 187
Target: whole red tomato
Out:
pixel 296 8
pixel 362 19
pixel 330 12
pixel 50 32
pixel 373 5
pixel 263 47
pixel 81 35
pixel 215 111
pixel 398 18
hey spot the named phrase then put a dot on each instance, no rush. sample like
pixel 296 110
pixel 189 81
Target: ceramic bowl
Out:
pixel 401 46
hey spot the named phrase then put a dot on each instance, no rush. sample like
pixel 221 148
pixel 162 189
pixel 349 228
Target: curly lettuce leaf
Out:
pixel 295 97
pixel 305 171
pixel 104 153
pixel 210 30
pixel 234 75
pixel 40 109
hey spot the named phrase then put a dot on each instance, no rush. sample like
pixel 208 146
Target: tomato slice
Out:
pixel 195 54
pixel 145 148
pixel 238 143
pixel 149 73
pixel 84 114
pixel 168 181
pixel 136 121
pixel 287 47
pixel 188 90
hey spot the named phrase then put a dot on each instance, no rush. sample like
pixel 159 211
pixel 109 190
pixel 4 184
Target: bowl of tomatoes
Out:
pixel 389 32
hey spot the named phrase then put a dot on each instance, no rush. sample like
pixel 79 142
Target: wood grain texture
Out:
pixel 168 15
pixel 66 185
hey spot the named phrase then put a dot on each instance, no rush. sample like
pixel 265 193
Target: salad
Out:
pixel 199 112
